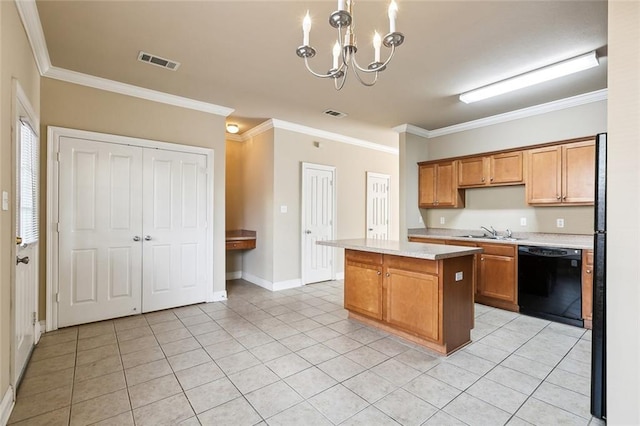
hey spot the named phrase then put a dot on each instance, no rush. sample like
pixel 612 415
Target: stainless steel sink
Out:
pixel 488 237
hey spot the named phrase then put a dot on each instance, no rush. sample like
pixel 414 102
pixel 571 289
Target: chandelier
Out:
pixel 345 48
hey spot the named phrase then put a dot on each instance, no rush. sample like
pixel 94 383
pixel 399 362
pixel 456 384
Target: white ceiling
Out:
pixel 241 54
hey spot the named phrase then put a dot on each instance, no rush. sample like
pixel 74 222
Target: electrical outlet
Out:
pixel 560 223
pixel 420 221
pixel 441 220
pixel 523 221
pixel 459 276
pixel 283 209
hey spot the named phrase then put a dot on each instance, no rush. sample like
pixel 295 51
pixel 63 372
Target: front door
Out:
pixel 175 229
pixel 100 231
pixel 318 204
pixel 377 206
pixel 25 293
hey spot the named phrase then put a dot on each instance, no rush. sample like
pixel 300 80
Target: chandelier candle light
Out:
pixel 344 50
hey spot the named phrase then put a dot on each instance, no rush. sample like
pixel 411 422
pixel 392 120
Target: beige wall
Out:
pixel 16 61
pixel 234 199
pixel 79 107
pixel 583 120
pixel 258 154
pixel 351 163
pixel 623 215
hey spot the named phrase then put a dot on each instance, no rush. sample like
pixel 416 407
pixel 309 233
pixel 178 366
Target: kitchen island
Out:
pixel 421 292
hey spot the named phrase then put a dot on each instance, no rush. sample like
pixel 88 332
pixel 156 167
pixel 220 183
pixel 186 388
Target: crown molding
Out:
pixel 135 91
pixel 586 98
pixel 311 131
pixel 28 12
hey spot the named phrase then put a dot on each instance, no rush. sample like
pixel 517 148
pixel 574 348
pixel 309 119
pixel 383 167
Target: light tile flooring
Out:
pixel 293 358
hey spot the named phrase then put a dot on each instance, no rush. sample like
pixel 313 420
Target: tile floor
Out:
pixel 293 358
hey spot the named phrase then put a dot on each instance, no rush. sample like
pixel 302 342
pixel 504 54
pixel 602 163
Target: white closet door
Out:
pixel 174 223
pixel 100 210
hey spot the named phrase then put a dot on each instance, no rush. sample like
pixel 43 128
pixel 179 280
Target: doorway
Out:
pixel 317 222
pixel 378 206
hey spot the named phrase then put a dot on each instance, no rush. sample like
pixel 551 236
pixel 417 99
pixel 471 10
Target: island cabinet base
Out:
pixel 429 302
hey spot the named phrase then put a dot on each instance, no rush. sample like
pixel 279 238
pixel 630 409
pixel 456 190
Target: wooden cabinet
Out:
pixel 497 278
pixel 587 288
pixel 438 187
pixel 492 170
pixel 429 302
pixel 363 283
pixel 562 174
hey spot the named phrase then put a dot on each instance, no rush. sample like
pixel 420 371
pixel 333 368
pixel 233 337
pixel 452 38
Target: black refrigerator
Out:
pixel 599 332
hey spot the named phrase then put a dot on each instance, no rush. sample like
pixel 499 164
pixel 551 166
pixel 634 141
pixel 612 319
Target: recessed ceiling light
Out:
pixel 559 69
pixel 233 128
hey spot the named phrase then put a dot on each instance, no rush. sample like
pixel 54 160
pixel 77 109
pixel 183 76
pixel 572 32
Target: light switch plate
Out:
pixel 283 209
pixel 523 221
pixel 5 200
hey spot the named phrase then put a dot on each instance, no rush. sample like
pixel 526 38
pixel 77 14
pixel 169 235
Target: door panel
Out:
pixel 543 181
pixel 317 222
pixel 175 212
pixel 377 206
pixel 100 203
pixel 578 173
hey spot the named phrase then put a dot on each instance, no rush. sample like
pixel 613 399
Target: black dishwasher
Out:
pixel 550 283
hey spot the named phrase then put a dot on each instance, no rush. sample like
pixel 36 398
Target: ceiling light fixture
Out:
pixel 233 128
pixel 559 69
pixel 344 50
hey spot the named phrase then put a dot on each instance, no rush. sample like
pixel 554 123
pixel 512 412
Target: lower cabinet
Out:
pixel 429 302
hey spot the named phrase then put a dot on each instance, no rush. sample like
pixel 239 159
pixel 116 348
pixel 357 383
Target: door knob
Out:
pixel 18 241
pixel 136 238
pixel 307 231
pixel 147 237
pixel 370 229
pixel 24 260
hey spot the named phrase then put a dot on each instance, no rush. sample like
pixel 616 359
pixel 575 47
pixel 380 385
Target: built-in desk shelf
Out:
pixel 240 239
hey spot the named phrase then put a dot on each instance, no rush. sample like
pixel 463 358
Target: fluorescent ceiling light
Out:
pixel 560 69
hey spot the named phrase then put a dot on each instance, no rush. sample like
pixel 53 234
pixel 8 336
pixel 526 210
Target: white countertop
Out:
pixel 574 241
pixel 403 248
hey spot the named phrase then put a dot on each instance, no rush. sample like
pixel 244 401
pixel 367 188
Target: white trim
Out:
pixel 285 285
pixel 40 325
pixel 334 213
pixel 233 137
pixel 6 406
pixel 135 91
pixel 219 296
pixel 310 131
pixel 340 276
pixel 257 281
pixel 53 146
pixel 574 101
pixel 33 26
pixel 235 275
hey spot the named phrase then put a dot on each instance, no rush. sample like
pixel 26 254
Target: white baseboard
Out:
pixel 219 296
pixel 236 275
pixel 285 285
pixel 6 406
pixel 40 325
pixel 340 276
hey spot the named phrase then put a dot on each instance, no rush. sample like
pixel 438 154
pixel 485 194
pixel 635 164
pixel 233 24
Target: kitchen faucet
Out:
pixel 492 231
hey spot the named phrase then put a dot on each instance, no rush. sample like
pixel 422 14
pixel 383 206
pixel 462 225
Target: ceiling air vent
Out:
pixel 336 114
pixel 158 61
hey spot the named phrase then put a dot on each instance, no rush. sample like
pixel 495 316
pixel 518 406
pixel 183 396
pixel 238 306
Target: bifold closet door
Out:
pixel 174 222
pixel 100 218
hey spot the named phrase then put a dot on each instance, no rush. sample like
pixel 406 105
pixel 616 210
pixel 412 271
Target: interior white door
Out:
pixel 25 286
pixel 175 224
pixel 377 206
pixel 318 207
pixel 100 231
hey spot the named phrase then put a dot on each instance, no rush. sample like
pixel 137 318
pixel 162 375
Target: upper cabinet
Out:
pixel 438 186
pixel 561 174
pixel 491 170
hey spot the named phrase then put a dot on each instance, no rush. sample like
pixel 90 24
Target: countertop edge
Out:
pixel 406 249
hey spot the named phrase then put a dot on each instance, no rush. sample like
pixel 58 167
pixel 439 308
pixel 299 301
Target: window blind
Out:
pixel 28 185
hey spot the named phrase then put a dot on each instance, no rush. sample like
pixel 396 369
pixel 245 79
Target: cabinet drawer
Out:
pixel 423 266
pixel 240 245
pixel 363 257
pixel 499 249
pixel 461 243
pixel 426 240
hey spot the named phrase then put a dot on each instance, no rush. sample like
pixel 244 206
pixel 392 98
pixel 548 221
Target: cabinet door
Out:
pixel 587 287
pixel 471 172
pixel 446 185
pixel 544 175
pixel 363 288
pixel 413 302
pixel 427 185
pixel 505 168
pixel 578 173
pixel 497 277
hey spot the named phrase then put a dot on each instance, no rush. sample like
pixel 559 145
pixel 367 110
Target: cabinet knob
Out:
pixel 387 274
pixel 491 179
pixel 379 273
pixel 564 198
pixel 482 259
pixel 558 197
pixel 483 179
pixel 588 271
